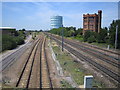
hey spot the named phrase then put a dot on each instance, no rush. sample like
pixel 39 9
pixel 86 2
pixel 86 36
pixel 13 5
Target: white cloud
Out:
pixel 40 17
pixel 44 12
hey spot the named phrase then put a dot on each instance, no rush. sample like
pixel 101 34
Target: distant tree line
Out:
pixel 100 37
pixel 106 35
pixel 68 31
pixel 12 41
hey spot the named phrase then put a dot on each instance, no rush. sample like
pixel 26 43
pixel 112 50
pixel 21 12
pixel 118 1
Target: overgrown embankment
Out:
pixel 11 41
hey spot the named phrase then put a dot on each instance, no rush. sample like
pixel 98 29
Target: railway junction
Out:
pixel 36 64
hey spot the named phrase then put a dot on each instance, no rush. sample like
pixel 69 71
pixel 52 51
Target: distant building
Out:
pixel 92 22
pixel 7 30
pixel 56 21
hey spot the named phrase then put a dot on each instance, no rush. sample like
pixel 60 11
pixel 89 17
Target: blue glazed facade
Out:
pixel 56 22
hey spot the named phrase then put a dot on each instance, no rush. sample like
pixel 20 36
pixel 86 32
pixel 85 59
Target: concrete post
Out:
pixel 88 81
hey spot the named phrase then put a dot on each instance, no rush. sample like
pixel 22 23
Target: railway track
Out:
pixel 94 53
pixel 32 76
pixel 108 72
pixel 7 61
pixel 104 49
pixel 97 49
pixel 25 75
pixel 45 80
pixel 100 56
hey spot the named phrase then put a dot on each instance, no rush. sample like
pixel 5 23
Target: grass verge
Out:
pixel 65 84
pixel 72 67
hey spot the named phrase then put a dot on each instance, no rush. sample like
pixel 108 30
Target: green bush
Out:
pixel 87 35
pixel 19 40
pixel 91 39
pixel 112 33
pixel 11 42
pixel 8 42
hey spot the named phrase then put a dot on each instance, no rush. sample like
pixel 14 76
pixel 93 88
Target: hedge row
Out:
pixel 11 42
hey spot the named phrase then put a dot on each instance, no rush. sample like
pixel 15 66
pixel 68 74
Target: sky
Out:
pixel 36 15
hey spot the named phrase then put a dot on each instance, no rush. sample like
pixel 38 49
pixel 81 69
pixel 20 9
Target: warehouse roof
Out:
pixel 7 28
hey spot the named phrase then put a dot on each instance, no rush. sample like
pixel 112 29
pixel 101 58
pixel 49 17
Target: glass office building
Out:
pixel 56 22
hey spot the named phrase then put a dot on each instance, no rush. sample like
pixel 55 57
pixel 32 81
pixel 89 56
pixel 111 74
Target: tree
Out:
pixel 79 31
pixel 86 35
pixel 102 35
pixel 112 32
pixel 41 30
pixel 91 39
pixel 107 39
pixel 36 31
pixel 23 29
pixel 8 42
pixel 16 33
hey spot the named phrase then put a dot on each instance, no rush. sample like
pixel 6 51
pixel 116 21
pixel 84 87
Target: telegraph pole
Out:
pixel 116 36
pixel 62 37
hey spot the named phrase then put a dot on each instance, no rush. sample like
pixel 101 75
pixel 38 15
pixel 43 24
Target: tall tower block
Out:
pixel 92 22
pixel 56 21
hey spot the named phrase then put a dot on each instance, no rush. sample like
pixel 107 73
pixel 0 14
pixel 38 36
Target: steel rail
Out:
pixel 105 70
pixel 37 42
